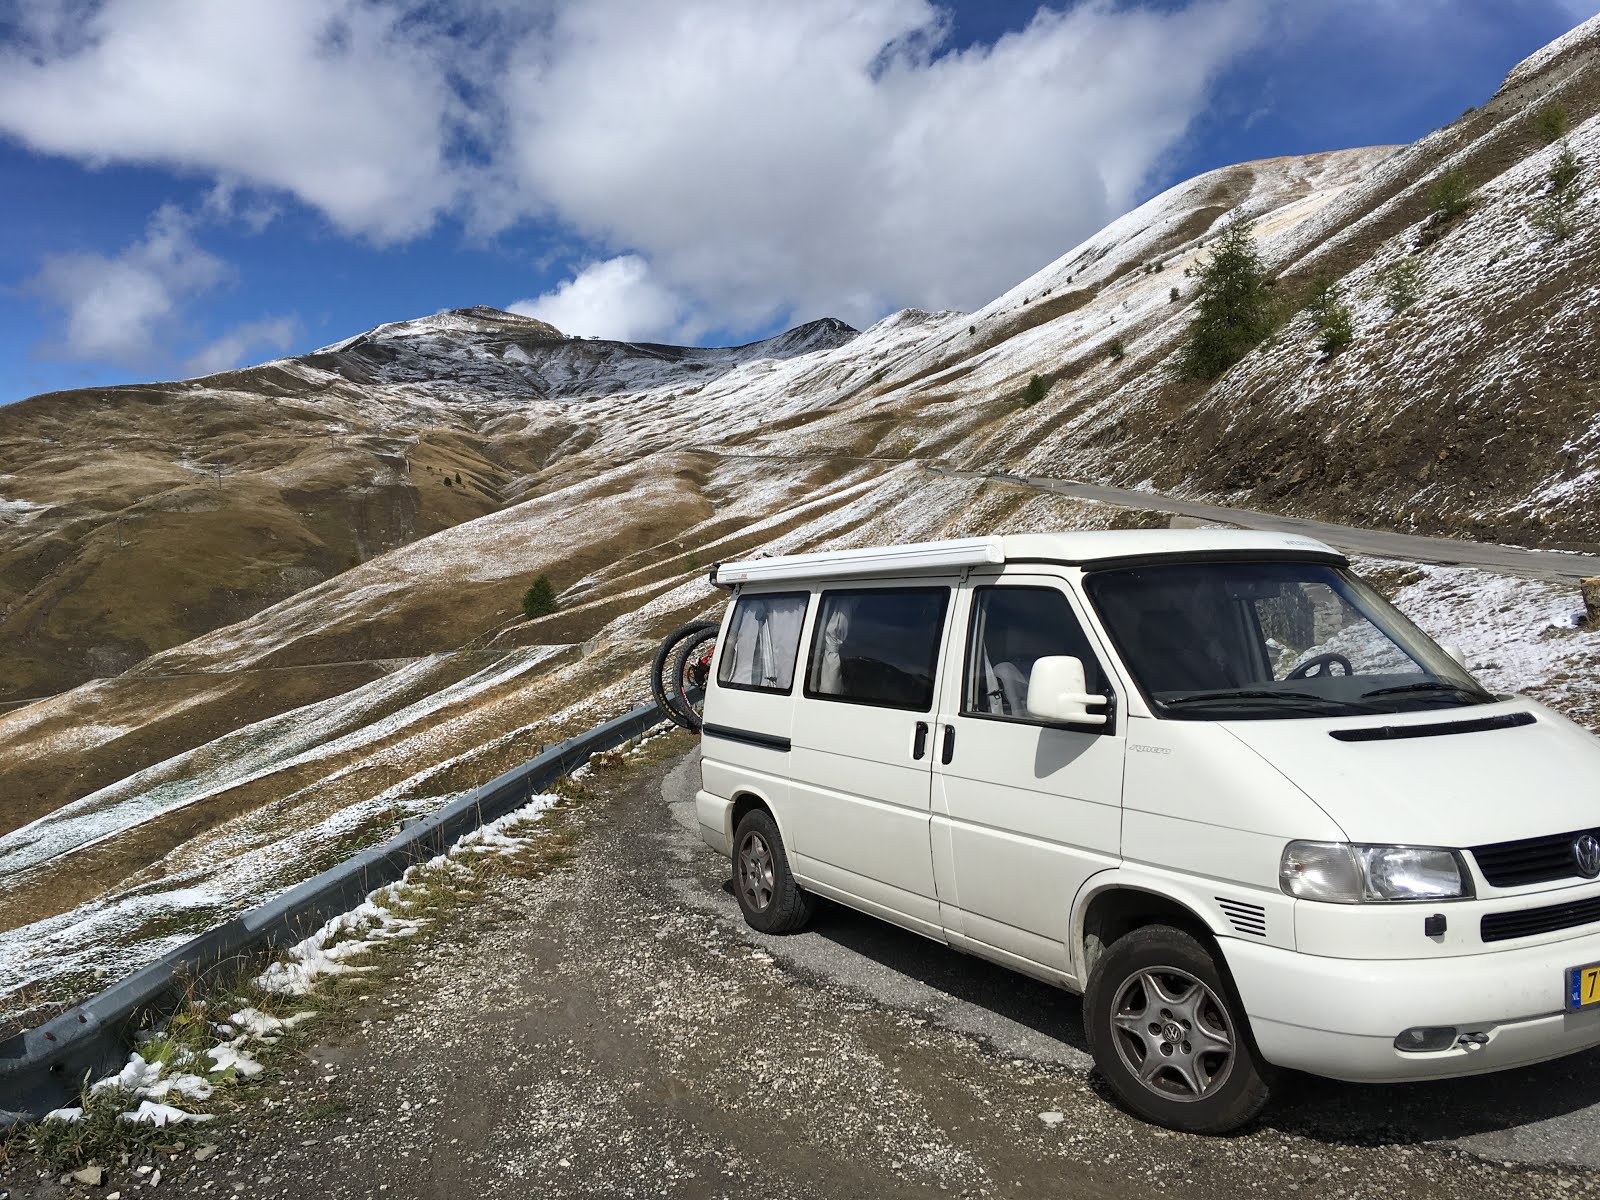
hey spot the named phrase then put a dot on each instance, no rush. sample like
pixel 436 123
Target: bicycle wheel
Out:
pixel 666 679
pixel 691 669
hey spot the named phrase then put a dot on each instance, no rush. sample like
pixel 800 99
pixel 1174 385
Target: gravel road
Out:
pixel 614 1029
pixel 1381 543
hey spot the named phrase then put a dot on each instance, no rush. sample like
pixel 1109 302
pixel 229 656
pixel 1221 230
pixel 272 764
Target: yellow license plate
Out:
pixel 1583 986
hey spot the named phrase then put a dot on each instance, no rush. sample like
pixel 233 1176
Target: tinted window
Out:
pixel 762 642
pixel 1271 640
pixel 878 647
pixel 1012 628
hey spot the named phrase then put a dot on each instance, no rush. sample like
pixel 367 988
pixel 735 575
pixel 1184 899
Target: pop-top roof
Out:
pixel 1075 549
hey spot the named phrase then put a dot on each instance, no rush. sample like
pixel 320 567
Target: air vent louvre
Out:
pixel 1245 917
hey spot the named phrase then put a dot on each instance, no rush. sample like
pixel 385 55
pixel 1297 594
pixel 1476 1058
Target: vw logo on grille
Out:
pixel 1586 850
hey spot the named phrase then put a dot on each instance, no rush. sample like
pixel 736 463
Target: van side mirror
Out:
pixel 1455 653
pixel 1057 692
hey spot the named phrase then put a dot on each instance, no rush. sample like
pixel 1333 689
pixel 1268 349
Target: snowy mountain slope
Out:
pixel 312 593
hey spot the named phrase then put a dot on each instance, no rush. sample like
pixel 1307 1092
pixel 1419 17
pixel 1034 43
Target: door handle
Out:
pixel 949 750
pixel 919 744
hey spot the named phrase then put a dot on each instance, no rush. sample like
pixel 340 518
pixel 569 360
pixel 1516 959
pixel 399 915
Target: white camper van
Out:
pixel 1209 779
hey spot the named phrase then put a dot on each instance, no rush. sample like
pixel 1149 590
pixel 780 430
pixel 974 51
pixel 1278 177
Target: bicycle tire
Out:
pixel 680 675
pixel 665 662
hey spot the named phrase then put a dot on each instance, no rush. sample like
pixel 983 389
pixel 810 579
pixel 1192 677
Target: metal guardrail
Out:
pixel 45 1067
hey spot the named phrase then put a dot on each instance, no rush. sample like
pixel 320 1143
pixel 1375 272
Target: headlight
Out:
pixel 1340 873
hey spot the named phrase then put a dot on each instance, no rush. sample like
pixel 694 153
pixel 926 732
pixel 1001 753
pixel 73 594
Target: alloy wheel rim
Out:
pixel 755 871
pixel 1173 1033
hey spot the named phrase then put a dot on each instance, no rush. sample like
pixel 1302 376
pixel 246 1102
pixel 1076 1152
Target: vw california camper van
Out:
pixel 1209 779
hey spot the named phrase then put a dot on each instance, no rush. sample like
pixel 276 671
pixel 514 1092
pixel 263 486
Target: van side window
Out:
pixel 1012 628
pixel 878 646
pixel 763 642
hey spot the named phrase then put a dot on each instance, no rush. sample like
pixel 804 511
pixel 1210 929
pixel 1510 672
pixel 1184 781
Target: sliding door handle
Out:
pixel 919 744
pixel 949 750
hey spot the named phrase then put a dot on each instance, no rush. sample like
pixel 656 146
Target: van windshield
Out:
pixel 1271 640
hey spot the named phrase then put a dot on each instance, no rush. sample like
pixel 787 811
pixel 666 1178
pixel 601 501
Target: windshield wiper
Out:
pixel 1257 694
pixel 1429 685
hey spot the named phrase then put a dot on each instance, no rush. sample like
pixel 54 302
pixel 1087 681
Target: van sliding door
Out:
pixel 862 743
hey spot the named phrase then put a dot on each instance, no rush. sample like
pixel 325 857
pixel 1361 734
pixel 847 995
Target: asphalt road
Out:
pixel 1516 560
pixel 614 1029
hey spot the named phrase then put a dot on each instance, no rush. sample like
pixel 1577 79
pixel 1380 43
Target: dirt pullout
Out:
pixel 614 1029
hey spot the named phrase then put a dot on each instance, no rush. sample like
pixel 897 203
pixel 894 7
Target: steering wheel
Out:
pixel 1319 667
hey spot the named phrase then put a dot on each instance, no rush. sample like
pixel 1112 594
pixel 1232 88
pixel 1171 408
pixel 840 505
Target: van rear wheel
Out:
pixel 770 899
pixel 1169 1035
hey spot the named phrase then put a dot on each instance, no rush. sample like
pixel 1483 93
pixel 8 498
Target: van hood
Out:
pixel 1453 789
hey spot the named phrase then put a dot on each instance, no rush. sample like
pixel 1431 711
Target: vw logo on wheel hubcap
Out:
pixel 1586 851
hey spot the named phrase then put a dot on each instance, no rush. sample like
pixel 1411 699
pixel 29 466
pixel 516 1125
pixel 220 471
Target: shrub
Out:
pixel 1401 281
pixel 1331 316
pixel 1233 310
pixel 1116 350
pixel 540 599
pixel 1553 121
pixel 447 481
pixel 1035 391
pixel 1174 295
pixel 1451 194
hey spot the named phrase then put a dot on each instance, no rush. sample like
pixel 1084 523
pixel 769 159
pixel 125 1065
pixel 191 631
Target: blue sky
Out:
pixel 190 186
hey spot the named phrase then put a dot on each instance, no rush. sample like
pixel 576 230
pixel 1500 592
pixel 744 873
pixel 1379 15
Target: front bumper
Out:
pixel 1339 1017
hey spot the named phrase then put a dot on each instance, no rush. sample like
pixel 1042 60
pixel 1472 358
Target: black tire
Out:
pixel 686 679
pixel 661 681
pixel 770 899
pixel 1157 999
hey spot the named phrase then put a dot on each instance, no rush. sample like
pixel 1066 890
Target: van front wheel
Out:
pixel 770 899
pixel 1168 1035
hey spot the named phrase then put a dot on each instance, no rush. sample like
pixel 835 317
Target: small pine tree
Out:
pixel 1174 295
pixel 1117 351
pixel 1035 391
pixel 1553 121
pixel 1451 194
pixel 447 481
pixel 540 599
pixel 458 478
pixel 1233 310
pixel 1332 317
pixel 1565 170
pixel 1556 216
pixel 1401 281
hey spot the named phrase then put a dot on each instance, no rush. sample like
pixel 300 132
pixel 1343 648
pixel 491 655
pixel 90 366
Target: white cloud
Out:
pixel 239 344
pixel 118 309
pixel 343 103
pixel 768 157
pixel 128 309
pixel 618 298
pixel 763 157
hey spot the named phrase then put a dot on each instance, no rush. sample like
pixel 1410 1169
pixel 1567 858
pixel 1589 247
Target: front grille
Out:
pixel 1532 860
pixel 1497 927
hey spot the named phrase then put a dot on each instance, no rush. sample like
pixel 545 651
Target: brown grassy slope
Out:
pixel 141 543
pixel 1475 412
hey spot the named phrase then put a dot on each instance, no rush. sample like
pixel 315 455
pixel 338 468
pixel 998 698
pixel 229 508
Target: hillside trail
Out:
pixel 1552 565
pixel 614 1029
